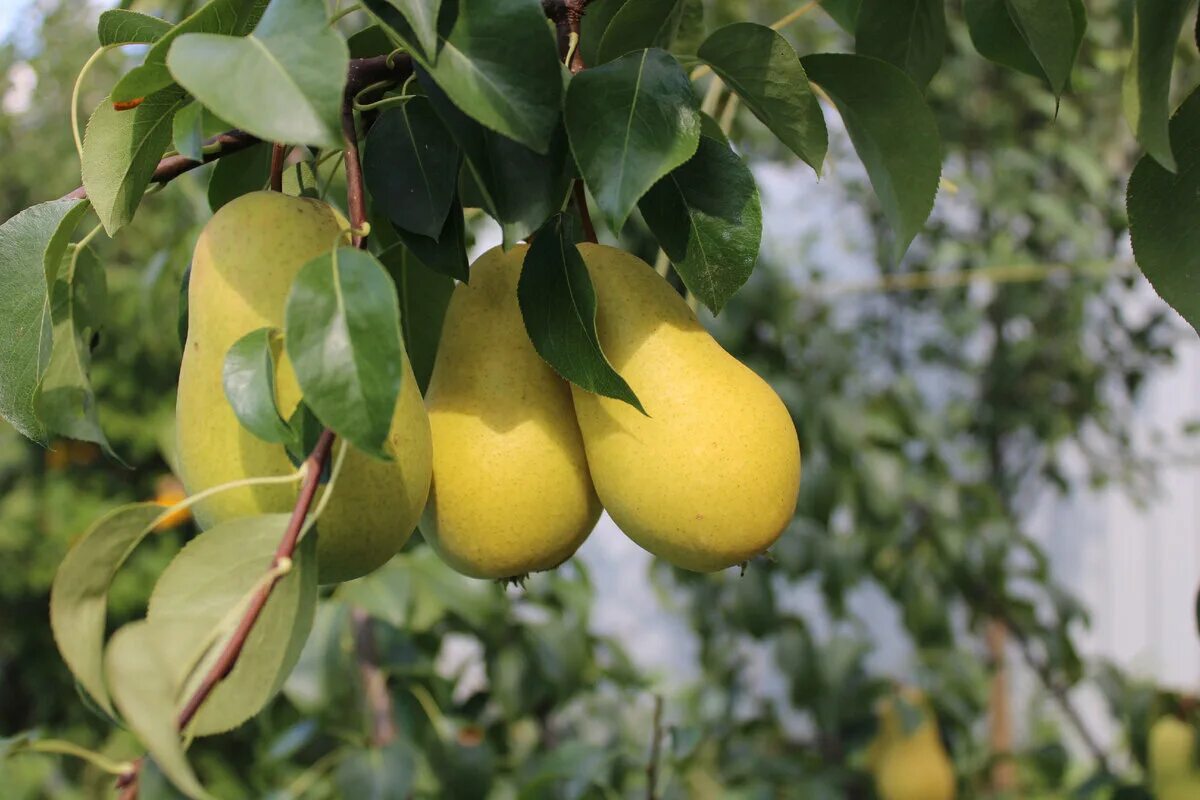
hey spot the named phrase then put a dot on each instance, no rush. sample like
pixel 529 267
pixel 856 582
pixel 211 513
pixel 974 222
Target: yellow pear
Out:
pixel 910 765
pixel 245 260
pixel 1174 771
pixel 511 492
pixel 708 477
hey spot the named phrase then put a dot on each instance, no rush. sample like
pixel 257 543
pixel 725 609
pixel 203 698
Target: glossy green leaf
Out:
pixel 202 594
pixel 232 17
pixel 342 332
pixel 64 400
pixel 283 82
pixel 911 34
pixel 1148 82
pixel 422 17
pixel 121 150
pixel 1163 209
pixel 377 773
pixel 496 60
pixel 121 26
pixel 595 22
pixel 191 126
pixel 137 672
pixel 411 167
pixel 894 133
pixel 639 24
pixel 31 248
pixel 630 122
pixel 79 594
pixel 558 305
pixel 239 173
pixel 424 295
pixel 760 65
pixel 519 187
pixel 1038 37
pixel 706 215
pixel 248 378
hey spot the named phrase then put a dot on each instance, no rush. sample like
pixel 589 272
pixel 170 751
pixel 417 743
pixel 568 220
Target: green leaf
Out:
pixel 79 594
pixel 422 17
pixel 519 187
pixel 120 152
pixel 639 24
pixel 31 248
pixel 1148 81
pixel 843 12
pixel 595 23
pixel 233 17
pixel 240 173
pixel 558 305
pixel 282 83
pixel 448 253
pixel 142 689
pixel 181 314
pixel 1037 37
pixel 370 41
pixel 630 122
pixel 894 133
pixel 248 377
pixel 119 26
pixel 760 65
pixel 1163 209
pixel 202 595
pixel 911 34
pixel 64 399
pixel 342 325
pixel 411 167
pixel 496 60
pixel 191 126
pixel 706 215
pixel 300 179
pixel 377 773
pixel 424 295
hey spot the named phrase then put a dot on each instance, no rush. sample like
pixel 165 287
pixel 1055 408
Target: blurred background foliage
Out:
pixel 936 400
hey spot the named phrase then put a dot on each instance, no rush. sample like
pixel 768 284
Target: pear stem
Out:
pixel 278 151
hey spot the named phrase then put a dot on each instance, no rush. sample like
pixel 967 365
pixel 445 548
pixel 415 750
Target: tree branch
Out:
pixel 278 151
pixel 655 750
pixel 377 699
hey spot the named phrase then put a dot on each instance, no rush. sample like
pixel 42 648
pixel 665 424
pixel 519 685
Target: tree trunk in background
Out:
pixel 1000 729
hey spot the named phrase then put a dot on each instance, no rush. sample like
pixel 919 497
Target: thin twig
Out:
pixel 567 16
pixel 278 151
pixel 356 196
pixel 655 750
pixel 376 697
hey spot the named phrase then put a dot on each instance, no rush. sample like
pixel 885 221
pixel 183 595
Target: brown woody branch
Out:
pixel 655 750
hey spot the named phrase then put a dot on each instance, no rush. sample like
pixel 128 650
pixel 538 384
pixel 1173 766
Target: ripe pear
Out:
pixel 708 477
pixel 511 491
pixel 1171 748
pixel 245 260
pixel 910 765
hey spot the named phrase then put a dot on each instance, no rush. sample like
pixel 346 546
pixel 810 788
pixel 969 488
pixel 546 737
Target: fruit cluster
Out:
pixel 506 464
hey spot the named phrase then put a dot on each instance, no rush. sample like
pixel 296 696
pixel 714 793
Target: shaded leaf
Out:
pixel 248 378
pixel 141 687
pixel 342 324
pixel 64 399
pixel 411 167
pixel 239 173
pixel 630 122
pixel 760 65
pixel 282 83
pixel 894 133
pixel 910 34
pixel 843 12
pixel 422 17
pixel 518 187
pixel 1163 209
pixel 191 126
pixel 233 17
pixel 202 594
pixel 706 215
pixel 31 248
pixel 377 773
pixel 496 60
pixel 424 295
pixel 639 24
pixel 1148 82
pixel 595 23
pixel 558 305
pixel 1000 30
pixel 79 594
pixel 120 152
pixel 121 26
